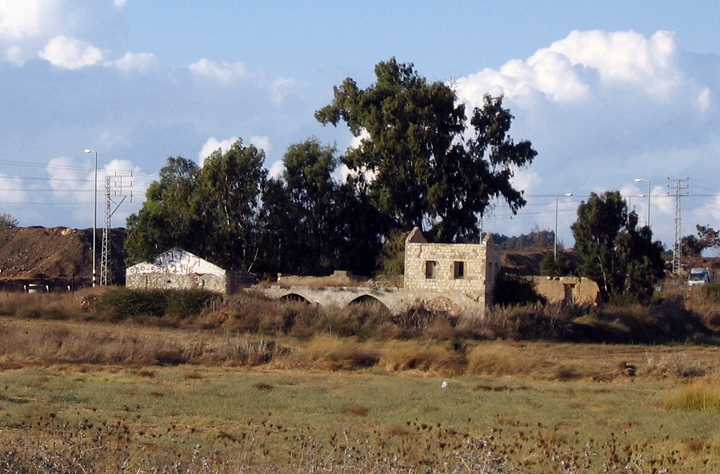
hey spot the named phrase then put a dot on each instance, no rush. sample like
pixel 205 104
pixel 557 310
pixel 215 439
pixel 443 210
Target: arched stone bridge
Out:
pixel 396 300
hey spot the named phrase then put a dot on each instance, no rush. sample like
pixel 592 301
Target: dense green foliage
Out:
pixel 419 161
pixel 210 211
pixel 513 290
pixel 535 240
pixel 123 303
pixel 707 238
pixel 313 224
pixel 556 266
pixel 621 258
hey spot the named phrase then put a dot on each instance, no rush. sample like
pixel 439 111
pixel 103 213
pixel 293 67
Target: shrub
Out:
pixel 515 290
pixel 122 303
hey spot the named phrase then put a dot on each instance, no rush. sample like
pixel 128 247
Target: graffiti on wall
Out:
pixel 177 261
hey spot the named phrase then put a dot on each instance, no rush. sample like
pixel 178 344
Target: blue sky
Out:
pixel 607 92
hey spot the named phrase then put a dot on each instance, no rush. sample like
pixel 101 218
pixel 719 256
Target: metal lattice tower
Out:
pixel 105 252
pixel 677 248
pixel 105 270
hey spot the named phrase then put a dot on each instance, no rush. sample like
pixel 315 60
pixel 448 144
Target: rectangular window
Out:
pixel 430 269
pixel 459 270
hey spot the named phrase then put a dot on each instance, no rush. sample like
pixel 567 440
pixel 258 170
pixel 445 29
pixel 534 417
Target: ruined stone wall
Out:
pixel 572 290
pixel 176 281
pixel 470 269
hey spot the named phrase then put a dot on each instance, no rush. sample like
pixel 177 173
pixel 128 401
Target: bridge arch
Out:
pixel 295 297
pixel 371 301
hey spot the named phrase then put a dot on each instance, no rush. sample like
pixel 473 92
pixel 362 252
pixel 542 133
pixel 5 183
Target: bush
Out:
pixel 515 290
pixel 123 303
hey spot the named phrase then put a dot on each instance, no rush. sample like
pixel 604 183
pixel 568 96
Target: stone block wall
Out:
pixel 176 281
pixel 470 269
pixel 571 290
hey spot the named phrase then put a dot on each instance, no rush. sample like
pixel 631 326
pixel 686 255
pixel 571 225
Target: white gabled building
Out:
pixel 180 269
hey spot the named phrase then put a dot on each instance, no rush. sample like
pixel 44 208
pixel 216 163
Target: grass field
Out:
pixel 516 407
pixel 118 382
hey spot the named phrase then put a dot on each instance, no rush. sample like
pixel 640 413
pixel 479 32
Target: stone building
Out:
pixel 464 274
pixel 180 269
pixel 568 290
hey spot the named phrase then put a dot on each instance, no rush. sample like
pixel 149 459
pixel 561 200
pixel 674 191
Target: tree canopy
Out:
pixel 422 161
pixel 707 238
pixel 314 224
pixel 621 258
pixel 419 160
pixel 210 211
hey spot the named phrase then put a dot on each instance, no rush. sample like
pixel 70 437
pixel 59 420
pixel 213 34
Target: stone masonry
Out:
pixel 466 269
pixel 447 277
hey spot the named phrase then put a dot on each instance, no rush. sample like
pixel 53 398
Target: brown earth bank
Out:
pixel 58 257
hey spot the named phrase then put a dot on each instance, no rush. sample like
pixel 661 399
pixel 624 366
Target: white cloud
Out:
pixel 24 18
pixel 11 189
pixel 64 176
pixel 710 210
pixel 28 27
pixel 70 53
pixel 605 108
pixel 280 89
pixel 261 143
pixel 213 144
pixel 14 54
pixel 141 62
pixel 704 99
pixel 225 72
pixel 276 169
pixel 70 183
pixel 526 180
pixel 566 70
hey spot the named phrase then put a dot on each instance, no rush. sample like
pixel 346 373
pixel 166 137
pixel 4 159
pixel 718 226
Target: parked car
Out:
pixel 698 276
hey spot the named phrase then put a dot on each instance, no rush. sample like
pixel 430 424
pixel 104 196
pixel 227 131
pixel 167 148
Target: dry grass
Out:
pixel 256 387
pixel 698 396
pixel 424 356
pixel 334 353
pixel 112 421
pixel 42 342
pixel 502 359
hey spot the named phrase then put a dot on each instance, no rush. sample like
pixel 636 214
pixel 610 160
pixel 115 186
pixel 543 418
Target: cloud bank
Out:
pixel 604 108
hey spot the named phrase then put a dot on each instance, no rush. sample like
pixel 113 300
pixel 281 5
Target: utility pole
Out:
pixel 677 250
pixel 105 270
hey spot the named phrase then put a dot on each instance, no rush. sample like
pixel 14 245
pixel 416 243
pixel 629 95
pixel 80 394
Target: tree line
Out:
pixel 421 161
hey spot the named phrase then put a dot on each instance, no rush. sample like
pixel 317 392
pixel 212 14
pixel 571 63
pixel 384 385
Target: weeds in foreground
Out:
pixel 65 444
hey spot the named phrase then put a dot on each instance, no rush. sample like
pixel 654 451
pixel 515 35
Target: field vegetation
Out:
pixel 245 384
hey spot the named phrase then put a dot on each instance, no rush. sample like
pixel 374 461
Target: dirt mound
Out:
pixel 57 256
